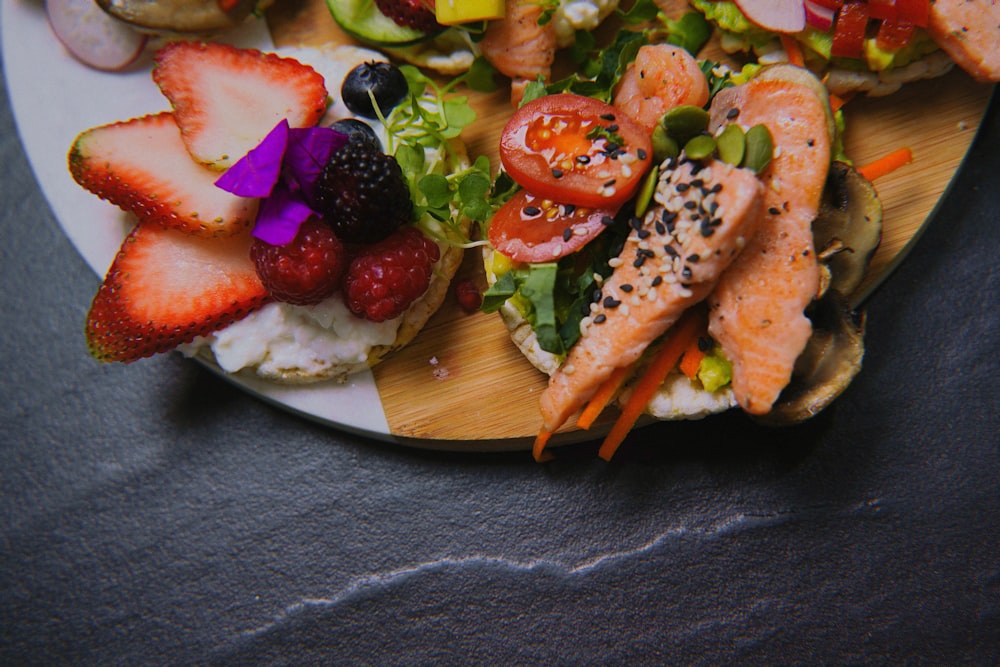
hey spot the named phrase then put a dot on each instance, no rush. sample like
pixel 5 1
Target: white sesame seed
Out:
pixel 615 262
pixel 623 309
pixel 626 171
pixel 568 369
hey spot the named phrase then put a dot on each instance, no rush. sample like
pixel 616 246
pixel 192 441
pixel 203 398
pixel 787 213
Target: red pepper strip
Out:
pixel 849 30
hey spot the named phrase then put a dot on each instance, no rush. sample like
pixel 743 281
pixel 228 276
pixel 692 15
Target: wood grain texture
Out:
pixel 462 380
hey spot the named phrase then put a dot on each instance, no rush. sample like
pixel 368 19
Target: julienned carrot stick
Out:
pixel 691 359
pixel 838 101
pixel 604 394
pixel 538 450
pixel 794 51
pixel 686 328
pixel 886 164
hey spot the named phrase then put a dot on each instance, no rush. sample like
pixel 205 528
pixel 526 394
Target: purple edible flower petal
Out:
pixel 280 216
pixel 309 149
pixel 257 172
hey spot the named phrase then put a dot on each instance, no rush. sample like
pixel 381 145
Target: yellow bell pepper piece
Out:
pixel 452 12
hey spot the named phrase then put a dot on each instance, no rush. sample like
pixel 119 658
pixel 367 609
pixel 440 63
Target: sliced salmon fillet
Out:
pixel 969 31
pixel 518 47
pixel 661 77
pixel 756 312
pixel 671 260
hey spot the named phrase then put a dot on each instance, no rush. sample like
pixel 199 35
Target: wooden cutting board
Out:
pixel 462 379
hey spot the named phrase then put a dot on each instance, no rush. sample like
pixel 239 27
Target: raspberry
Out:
pixel 362 194
pixel 468 296
pixel 410 14
pixel 385 278
pixel 307 270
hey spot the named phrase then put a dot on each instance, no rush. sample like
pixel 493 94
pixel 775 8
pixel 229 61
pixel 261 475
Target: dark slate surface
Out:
pixel 153 514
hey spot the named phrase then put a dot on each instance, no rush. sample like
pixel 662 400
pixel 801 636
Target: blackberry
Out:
pixel 362 194
pixel 357 130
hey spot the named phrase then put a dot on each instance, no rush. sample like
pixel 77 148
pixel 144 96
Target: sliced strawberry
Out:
pixel 227 99
pixel 141 165
pixel 165 287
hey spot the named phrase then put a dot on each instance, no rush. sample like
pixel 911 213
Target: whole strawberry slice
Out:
pixel 227 99
pixel 166 287
pixel 142 166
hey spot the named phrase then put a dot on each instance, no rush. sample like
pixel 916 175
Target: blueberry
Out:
pixel 385 81
pixel 357 130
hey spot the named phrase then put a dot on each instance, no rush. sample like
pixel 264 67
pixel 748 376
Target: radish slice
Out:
pixel 775 15
pixel 92 36
pixel 818 16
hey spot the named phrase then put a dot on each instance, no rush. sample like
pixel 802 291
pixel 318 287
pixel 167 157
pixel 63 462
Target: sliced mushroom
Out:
pixel 828 364
pixel 848 229
pixel 183 16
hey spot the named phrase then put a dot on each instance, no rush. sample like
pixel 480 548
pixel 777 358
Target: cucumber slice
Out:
pixel 362 20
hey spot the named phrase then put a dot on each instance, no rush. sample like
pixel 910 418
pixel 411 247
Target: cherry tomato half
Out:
pixel 572 148
pixel 532 229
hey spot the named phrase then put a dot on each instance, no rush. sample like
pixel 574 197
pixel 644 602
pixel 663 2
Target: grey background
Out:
pixel 153 514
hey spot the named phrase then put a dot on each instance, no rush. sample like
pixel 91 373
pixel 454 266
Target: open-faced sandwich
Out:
pixel 684 246
pixel 868 46
pixel 517 38
pixel 277 231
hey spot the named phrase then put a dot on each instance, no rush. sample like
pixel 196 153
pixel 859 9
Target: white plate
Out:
pixel 54 98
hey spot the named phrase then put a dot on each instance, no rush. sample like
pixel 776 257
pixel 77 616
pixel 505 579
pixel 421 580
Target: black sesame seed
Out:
pixel 811 142
pixel 596 296
pixel 690 205
pixel 600 318
pixel 716 188
pixel 732 113
pixel 607 116
pixel 641 154
pixel 626 288
pixel 660 228
pixel 610 302
pixel 557 173
pixel 569 209
pixel 693 258
pixel 697 183
pixel 608 184
pixel 669 249
pixel 705 343
pixel 612 128
pixel 774 210
pixel 643 233
pixel 583 159
pixel 683 187
pixel 686 273
pixel 639 261
pixel 635 222
pixel 607 220
pixel 531 211
pixel 656 281
pixel 567 234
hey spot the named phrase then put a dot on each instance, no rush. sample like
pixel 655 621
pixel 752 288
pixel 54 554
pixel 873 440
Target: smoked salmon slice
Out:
pixel 756 312
pixel 519 47
pixel 969 31
pixel 704 214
